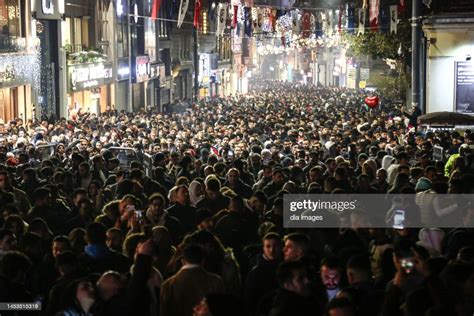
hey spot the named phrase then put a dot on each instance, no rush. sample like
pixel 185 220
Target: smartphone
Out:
pixel 139 215
pixel 407 265
pixel 399 219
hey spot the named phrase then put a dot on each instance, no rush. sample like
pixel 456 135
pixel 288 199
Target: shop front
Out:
pixel 15 93
pixel 90 87
pixel 143 89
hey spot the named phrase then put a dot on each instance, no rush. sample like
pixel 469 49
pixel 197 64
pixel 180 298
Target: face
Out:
pixel 256 204
pixel 157 207
pixel 8 243
pixel 108 286
pixel 85 291
pixel 182 196
pixel 278 178
pixel 292 251
pixel 299 284
pixel 114 240
pixel 233 177
pixel 272 249
pixel 58 248
pixel 330 277
pixel 4 183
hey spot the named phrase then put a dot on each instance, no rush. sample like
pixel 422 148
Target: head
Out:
pixel 330 272
pixel 109 285
pixel 292 276
pixel 358 269
pixel 96 234
pixel 4 180
pixel 182 195
pixel 272 246
pixel 8 240
pixel 193 254
pixel 156 205
pixel 296 246
pixel 59 245
pixel 114 238
pixel 340 307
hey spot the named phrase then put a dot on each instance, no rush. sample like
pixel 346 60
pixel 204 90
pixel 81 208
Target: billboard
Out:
pixel 464 87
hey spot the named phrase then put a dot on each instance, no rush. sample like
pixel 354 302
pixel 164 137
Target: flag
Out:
pixel 393 19
pixel 197 13
pixel 155 8
pixel 402 6
pixel 339 20
pixel 306 23
pixel 221 18
pixel 211 11
pixel 234 17
pixel 374 10
pixel 384 19
pixel 364 4
pixel 318 25
pixel 248 21
pixel 257 20
pixel 362 15
pixel 351 18
pixel 183 8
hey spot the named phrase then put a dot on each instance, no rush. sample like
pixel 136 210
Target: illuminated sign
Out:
pixel 142 68
pixel 90 76
pixel 47 7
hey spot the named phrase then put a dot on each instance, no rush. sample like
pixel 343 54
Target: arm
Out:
pixel 443 211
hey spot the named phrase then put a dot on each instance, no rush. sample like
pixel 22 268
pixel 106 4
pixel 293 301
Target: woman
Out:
pixel 196 192
pixel 78 299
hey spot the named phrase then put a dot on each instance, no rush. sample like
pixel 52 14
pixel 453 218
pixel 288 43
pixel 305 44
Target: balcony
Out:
pixel 78 54
pixel 10 44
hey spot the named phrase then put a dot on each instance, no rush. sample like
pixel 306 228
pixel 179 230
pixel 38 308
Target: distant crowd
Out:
pixel 199 231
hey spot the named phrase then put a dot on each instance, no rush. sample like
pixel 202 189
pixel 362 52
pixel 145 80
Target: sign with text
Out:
pixel 464 85
pixel 48 9
pixel 142 69
pixel 88 76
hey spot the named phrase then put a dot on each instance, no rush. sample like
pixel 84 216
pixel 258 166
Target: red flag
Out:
pixel 197 13
pixel 306 23
pixel 155 8
pixel 339 21
pixel 234 17
pixel 374 10
pixel 402 6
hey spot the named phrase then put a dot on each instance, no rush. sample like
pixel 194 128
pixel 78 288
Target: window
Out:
pixel 10 22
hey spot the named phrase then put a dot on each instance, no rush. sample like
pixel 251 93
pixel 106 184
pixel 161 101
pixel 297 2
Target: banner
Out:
pixel 351 19
pixel 221 19
pixel 257 14
pixel 318 24
pixel 155 8
pixel 362 14
pixel 384 19
pixel 235 16
pixel 197 13
pixel 248 21
pixel 464 84
pixel 374 10
pixel 306 23
pixel 393 19
pixel 183 8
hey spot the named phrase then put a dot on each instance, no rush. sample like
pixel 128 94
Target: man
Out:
pixel 204 220
pixel 180 293
pixel 393 170
pixel 114 239
pixel 293 294
pixel 262 278
pixel 7 242
pixel 97 256
pixel 360 279
pixel 117 213
pixel 21 200
pixel 237 185
pixel 266 178
pixel 331 276
pixel 278 180
pixel 296 247
pixel 157 216
pixel 214 201
pixel 341 307
pixel 182 210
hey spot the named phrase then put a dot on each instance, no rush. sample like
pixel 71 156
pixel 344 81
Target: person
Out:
pixel 262 277
pixel 7 242
pixel 213 200
pixel 182 210
pixel 180 293
pixel 157 216
pixel 79 298
pixel 293 294
pixel 296 247
pixel 97 256
pixel 331 276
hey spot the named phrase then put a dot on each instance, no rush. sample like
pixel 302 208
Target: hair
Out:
pixel 156 196
pixel 340 302
pixel 13 264
pixel 62 239
pixel 193 254
pixel 79 191
pixel 301 240
pixel 4 233
pixel 96 233
pixel 131 243
pixel 272 236
pixel 41 193
pixel 331 262
pixel 360 265
pixel 286 270
pixel 213 184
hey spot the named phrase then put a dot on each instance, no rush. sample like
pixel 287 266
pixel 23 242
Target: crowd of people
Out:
pixel 200 230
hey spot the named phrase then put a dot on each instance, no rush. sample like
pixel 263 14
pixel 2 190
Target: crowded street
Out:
pixel 181 213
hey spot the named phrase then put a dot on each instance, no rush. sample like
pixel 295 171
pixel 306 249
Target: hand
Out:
pixel 400 276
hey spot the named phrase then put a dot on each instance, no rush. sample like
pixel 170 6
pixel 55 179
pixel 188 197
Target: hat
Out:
pixel 423 184
pixel 202 215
